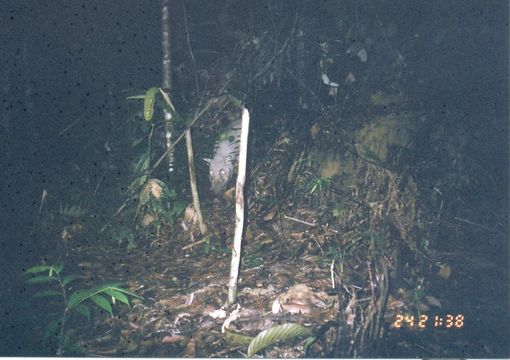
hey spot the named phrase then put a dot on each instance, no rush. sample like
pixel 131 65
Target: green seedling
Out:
pixel 104 296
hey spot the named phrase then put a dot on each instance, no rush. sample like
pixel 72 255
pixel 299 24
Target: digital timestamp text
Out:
pixel 423 321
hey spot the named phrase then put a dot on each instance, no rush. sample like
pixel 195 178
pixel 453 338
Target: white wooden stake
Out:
pixel 238 234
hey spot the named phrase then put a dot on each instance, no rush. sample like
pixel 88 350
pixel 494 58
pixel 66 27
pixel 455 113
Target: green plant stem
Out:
pixel 60 350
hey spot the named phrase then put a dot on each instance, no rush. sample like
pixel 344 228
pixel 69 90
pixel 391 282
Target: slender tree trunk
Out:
pixel 167 86
pixel 167 76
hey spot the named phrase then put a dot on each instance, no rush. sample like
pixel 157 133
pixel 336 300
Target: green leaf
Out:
pixel 148 103
pixel 178 208
pixel 131 244
pixel 138 141
pixel 83 309
pixel 100 288
pixel 127 292
pixel 118 296
pixel 103 303
pixel 57 268
pixel 137 183
pixel 136 97
pixel 274 334
pixel 69 278
pixel 143 162
pixel 355 47
pixel 41 279
pixel 236 102
pixel 72 211
pixel 39 268
pixel 47 293
pixel 309 342
pixel 77 297
pixel 235 339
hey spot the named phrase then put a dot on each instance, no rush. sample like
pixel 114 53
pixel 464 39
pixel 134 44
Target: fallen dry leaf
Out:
pixel 445 271
pixel 172 339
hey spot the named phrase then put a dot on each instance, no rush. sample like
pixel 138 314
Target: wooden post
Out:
pixel 238 235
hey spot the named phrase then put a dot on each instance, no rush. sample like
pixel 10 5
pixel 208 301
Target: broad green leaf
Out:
pixel 77 297
pixel 117 295
pixel 103 303
pixel 274 334
pixel 308 342
pixel 47 293
pixel 148 103
pixel 69 278
pixel 41 279
pixel 83 309
pixel 128 292
pixel 38 269
pixel 100 288
pixel 57 268
pixel 237 339
pixel 178 208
